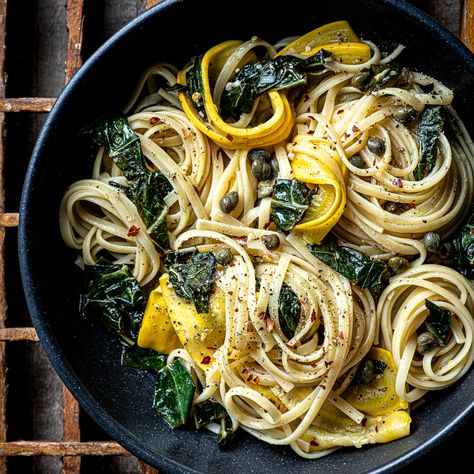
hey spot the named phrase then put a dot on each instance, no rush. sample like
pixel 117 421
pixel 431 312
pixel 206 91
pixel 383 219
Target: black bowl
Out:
pixel 85 355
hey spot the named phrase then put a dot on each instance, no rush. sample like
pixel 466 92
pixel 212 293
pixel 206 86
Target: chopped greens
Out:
pixel 281 72
pixel 350 263
pixel 381 75
pixel 146 188
pixel 438 322
pixel 430 126
pixel 195 280
pixel 195 89
pixel 291 199
pixel 211 411
pixel 174 393
pixel 289 310
pixel 138 358
pixel 115 297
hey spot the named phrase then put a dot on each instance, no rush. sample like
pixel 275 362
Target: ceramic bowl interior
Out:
pixel 85 355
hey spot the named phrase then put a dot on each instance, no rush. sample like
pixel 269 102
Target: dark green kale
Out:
pixel 381 75
pixel 291 199
pixel 289 310
pixel 252 80
pixel 194 86
pixel 146 188
pixel 115 297
pixel 430 127
pixel 138 358
pixel 438 322
pixel 174 393
pixel 195 280
pixel 351 263
pixel 209 411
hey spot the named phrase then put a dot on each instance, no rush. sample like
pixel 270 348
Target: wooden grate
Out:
pixel 70 448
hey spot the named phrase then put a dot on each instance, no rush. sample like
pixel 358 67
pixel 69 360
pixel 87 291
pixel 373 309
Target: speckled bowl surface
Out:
pixel 84 354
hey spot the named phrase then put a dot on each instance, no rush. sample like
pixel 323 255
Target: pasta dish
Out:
pixel 282 233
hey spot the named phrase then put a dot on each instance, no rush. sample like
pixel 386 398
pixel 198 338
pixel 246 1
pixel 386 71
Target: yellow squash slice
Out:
pixel 200 334
pixel 156 331
pixel 377 397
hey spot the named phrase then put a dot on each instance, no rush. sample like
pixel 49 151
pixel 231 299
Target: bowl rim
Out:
pixel 51 345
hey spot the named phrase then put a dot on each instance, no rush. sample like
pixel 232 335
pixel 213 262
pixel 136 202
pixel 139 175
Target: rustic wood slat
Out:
pixel 151 3
pixel 74 24
pixel 9 219
pixel 72 431
pixel 3 303
pixel 27 104
pixel 62 448
pixel 18 334
pixel 467 24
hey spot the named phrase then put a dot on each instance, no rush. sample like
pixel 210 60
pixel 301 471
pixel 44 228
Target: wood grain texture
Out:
pixel 27 104
pixel 18 334
pixel 62 448
pixel 3 302
pixel 467 24
pixel 72 431
pixel 74 24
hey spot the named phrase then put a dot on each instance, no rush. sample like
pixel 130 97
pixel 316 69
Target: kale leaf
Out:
pixel 350 263
pixel 115 297
pixel 194 86
pixel 289 310
pixel 138 358
pixel 381 75
pixel 438 322
pixel 147 189
pixel 174 392
pixel 210 410
pixel 430 126
pixel 195 280
pixel 290 201
pixel 252 80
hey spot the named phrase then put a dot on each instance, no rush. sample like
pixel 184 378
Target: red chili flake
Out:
pixel 261 315
pixel 313 443
pixel 327 364
pixel 133 231
pixel 345 135
pixel 323 386
pixel 230 293
pixel 314 364
pixel 313 316
pixel 270 324
pixel 245 371
pixel 310 132
pixel 154 120
pixel 289 346
pixel 229 137
pixel 267 225
pixel 340 335
pixel 376 429
pixel 186 133
pixel 413 205
pixel 355 129
pixel 256 380
pixel 398 182
pixel 206 360
pixel 340 111
pixel 364 421
pixel 471 231
pixel 250 378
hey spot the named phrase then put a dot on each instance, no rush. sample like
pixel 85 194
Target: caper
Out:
pixel 432 242
pixel 348 97
pixel 376 145
pixel 357 161
pixel 259 154
pixel 229 202
pixel 365 374
pixel 223 256
pixel 405 114
pixel 398 264
pixel 271 241
pixel 261 170
pixel 425 343
pixel 360 79
pixel 275 166
pixel 265 188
